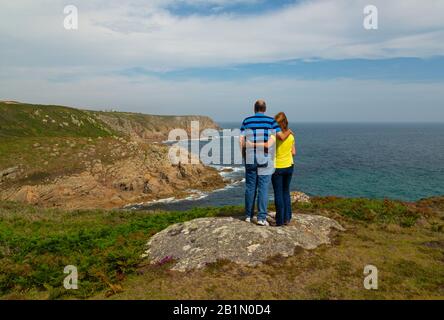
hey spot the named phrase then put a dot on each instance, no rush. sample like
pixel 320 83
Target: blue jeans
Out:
pixel 281 184
pixel 256 185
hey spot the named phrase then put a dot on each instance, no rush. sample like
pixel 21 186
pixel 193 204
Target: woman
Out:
pixel 281 179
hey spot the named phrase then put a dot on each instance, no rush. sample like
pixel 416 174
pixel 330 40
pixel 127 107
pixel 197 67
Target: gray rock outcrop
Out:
pixel 196 243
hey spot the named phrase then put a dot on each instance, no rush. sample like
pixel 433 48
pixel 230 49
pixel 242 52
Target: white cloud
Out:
pixel 143 33
pixel 42 62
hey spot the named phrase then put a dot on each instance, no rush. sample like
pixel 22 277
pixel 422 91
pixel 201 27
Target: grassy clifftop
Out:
pixel 55 155
pixel 29 120
pixel 404 240
pixel 32 120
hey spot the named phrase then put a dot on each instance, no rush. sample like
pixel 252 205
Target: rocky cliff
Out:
pixel 70 158
pixel 152 127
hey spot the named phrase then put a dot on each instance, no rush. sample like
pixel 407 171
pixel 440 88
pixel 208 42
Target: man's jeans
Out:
pixel 256 184
pixel 281 185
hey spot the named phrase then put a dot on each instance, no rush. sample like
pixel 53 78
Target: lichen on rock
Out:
pixel 297 196
pixel 196 243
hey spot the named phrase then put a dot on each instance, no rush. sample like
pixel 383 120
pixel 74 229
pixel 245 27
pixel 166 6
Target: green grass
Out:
pixel 36 244
pixel 369 210
pixel 409 261
pixel 43 158
pixel 48 141
pixel 29 120
pixel 407 270
pixel 32 120
pixel 106 246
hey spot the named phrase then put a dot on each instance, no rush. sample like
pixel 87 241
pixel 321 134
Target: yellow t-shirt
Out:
pixel 284 156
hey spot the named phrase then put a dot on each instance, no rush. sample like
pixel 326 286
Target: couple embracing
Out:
pixel 268 149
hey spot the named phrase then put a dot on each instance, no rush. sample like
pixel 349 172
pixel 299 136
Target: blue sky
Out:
pixel 184 8
pixel 395 69
pixel 311 58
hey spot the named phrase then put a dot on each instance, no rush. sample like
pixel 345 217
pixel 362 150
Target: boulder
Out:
pixel 194 244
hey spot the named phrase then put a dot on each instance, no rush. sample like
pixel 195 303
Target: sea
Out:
pixel 403 161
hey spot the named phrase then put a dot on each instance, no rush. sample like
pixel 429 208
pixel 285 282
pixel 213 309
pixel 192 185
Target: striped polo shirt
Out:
pixel 259 127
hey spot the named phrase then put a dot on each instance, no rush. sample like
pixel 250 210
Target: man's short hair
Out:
pixel 260 106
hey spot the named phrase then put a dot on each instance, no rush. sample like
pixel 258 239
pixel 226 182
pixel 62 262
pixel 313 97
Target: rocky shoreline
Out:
pixel 115 186
pixel 121 159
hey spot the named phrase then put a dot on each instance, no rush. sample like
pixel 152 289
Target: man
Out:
pixel 258 163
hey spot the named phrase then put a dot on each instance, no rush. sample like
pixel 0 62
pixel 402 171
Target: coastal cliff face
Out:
pixel 142 177
pixel 62 157
pixel 152 127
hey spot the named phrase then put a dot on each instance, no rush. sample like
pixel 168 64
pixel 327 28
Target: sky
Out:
pixel 312 59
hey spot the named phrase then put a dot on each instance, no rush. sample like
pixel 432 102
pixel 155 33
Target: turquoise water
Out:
pixel 398 161
pixel 368 160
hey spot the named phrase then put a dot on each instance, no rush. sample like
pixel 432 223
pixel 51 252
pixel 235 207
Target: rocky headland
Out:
pixel 69 158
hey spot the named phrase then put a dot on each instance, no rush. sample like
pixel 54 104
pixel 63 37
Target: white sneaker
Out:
pixel 263 223
pixel 248 220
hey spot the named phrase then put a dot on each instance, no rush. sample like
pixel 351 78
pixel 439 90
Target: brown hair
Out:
pixel 282 120
pixel 260 106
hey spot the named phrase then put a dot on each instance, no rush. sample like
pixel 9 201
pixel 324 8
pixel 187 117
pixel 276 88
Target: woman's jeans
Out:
pixel 281 180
